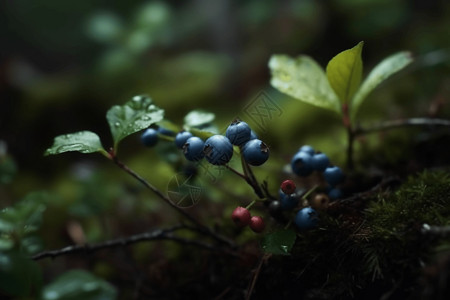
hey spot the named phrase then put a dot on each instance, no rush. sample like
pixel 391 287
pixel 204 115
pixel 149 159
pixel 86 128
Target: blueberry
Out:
pixel 255 152
pixel 308 149
pixel 301 163
pixel 218 150
pixel 288 201
pixel 306 218
pixel 333 175
pixel 193 148
pixel 320 162
pixel 181 138
pixel 238 133
pixel 149 137
pixel 334 193
pixel 275 207
pixel 165 131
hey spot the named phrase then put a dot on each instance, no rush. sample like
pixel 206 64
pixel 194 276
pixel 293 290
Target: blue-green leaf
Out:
pixel 344 72
pixel 279 242
pixel 82 141
pixel 135 115
pixel 381 72
pixel 303 79
pixel 198 118
pixel 78 284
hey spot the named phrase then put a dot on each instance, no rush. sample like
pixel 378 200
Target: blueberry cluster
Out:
pixel 307 160
pixel 218 149
pixel 289 197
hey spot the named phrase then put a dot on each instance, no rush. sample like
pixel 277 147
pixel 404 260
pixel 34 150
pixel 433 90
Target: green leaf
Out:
pixel 344 72
pixel 82 141
pixel 381 72
pixel 78 284
pixel 19 275
pixel 198 118
pixel 303 79
pixel 279 242
pixel 137 114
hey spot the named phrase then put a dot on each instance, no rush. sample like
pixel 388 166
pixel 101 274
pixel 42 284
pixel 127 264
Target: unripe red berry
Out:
pixel 288 187
pixel 257 224
pixel 241 216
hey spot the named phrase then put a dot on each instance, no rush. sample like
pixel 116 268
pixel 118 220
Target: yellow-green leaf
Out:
pixel 344 72
pixel 381 72
pixel 303 79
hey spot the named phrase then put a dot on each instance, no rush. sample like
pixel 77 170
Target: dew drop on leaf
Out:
pixel 117 124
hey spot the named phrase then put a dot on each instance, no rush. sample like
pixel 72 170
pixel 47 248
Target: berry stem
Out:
pixel 155 190
pixel 251 204
pixel 166 138
pixel 308 193
pixel 251 178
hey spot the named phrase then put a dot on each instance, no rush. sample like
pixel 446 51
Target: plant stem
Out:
pixel 148 185
pixel 157 234
pixel 401 123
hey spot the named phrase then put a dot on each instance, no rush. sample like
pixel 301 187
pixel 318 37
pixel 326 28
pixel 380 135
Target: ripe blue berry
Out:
pixel 149 137
pixel 218 150
pixel 301 163
pixel 181 138
pixel 255 152
pixel 333 175
pixel 193 149
pixel 334 193
pixel 238 132
pixel 308 149
pixel 241 216
pixel 253 135
pixel 288 201
pixel 306 218
pixel 165 131
pixel 320 162
pixel 257 224
pixel 288 187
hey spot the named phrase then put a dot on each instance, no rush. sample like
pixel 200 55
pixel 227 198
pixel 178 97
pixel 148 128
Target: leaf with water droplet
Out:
pixel 303 79
pixel 135 115
pixel 79 284
pixel 82 141
pixel 279 242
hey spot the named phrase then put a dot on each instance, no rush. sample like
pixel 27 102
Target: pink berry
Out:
pixel 241 216
pixel 257 224
pixel 288 187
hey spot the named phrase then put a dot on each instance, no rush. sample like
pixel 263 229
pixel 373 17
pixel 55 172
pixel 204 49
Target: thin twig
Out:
pixel 173 205
pixel 157 234
pixel 402 123
pixel 255 276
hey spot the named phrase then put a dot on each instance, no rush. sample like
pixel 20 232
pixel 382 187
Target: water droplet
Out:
pixel 117 124
pixel 51 295
pixel 284 248
pixel 151 107
pixel 146 118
